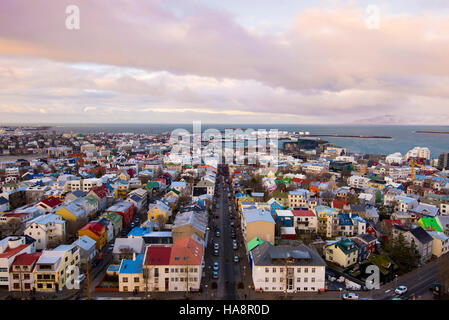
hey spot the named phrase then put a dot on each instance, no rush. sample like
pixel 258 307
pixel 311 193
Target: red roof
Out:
pixel 303 213
pixel 16 214
pixel 52 202
pixel 338 204
pixel 101 191
pixel 158 255
pixel 26 259
pixel 391 222
pixel 95 227
pixel 8 253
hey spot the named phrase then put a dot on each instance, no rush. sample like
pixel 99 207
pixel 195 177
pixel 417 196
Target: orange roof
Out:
pixel 186 251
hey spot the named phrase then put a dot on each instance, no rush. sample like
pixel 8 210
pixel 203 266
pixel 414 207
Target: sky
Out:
pixel 234 61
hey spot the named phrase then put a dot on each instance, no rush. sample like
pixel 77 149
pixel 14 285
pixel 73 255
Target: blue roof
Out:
pixel 405 199
pixel 139 232
pixel 136 198
pixel 3 200
pixel 344 219
pixel 299 192
pixel 114 267
pixel 258 215
pixel 132 266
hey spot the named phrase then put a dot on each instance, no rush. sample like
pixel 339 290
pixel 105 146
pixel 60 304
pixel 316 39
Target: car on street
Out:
pixel 236 259
pixel 216 252
pixel 233 235
pixel 80 279
pixel 111 247
pixel 217 233
pixel 95 263
pixel 400 290
pixel 216 266
pixel 350 296
pixel 216 246
pixel 234 244
pixel 215 275
pixel 231 223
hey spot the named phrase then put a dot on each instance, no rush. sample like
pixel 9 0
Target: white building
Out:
pixel 287 268
pixel 358 182
pixel 48 230
pixel 418 152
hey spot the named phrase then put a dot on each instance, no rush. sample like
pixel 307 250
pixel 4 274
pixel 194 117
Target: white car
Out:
pixel 350 296
pixel 400 290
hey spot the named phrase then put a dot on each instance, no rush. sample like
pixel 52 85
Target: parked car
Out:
pixel 400 290
pixel 236 259
pixel 95 263
pixel 233 235
pixel 216 246
pixel 216 266
pixel 217 233
pixel 231 223
pixel 216 252
pixel 350 296
pixel 234 245
pixel 215 275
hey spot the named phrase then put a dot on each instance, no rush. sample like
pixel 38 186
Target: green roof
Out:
pixel 114 217
pixel 91 199
pixel 383 262
pixel 152 184
pixel 174 190
pixel 254 243
pixel 430 224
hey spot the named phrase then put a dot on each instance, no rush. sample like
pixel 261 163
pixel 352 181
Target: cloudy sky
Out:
pixel 233 61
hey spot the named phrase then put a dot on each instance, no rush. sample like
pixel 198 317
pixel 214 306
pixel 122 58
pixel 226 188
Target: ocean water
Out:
pixel 403 139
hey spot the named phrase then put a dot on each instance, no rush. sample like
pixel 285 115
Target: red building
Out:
pixel 125 209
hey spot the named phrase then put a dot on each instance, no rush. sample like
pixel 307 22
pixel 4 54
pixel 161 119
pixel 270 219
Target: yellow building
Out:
pixel 159 210
pixel 343 253
pixel 56 269
pixel 95 231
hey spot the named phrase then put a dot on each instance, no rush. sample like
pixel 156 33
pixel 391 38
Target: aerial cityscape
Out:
pixel 224 151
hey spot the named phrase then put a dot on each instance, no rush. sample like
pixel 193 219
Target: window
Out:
pixel 313 270
pixel 26 276
pixel 306 280
pixel 167 270
pixel 298 270
pixel 125 288
pixel 40 285
pixel 15 276
pixel 267 270
pixel 125 279
pixel 27 286
pixel 306 270
pixel 16 285
pixel 266 279
pixel 136 279
pixel 313 279
pixel 274 279
pixel 274 269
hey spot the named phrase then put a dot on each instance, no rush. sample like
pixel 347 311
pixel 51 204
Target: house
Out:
pixel 298 198
pixel 125 248
pixel 55 268
pixel 186 260
pixel 343 253
pixel 93 205
pixel 159 211
pixel 74 215
pixel 21 272
pixel 101 193
pixel 443 221
pixel 87 247
pixel 95 231
pixel 287 268
pixel 405 204
pixel 257 223
pixel 284 218
pixel 157 267
pixel 417 236
pixel 116 220
pixel 131 274
pixel 327 221
pixel 125 209
pixel 4 204
pixel 406 218
pixel 76 194
pixel 274 205
pixel 345 225
pixel 188 223
pixel 49 205
pixel 429 224
pixel 366 243
pixel 440 243
pixel 305 221
pixel 48 231
pixel 10 247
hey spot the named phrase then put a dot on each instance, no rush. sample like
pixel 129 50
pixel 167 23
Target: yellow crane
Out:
pixel 412 175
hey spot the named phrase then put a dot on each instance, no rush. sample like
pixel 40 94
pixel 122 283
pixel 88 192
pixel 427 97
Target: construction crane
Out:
pixel 412 175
